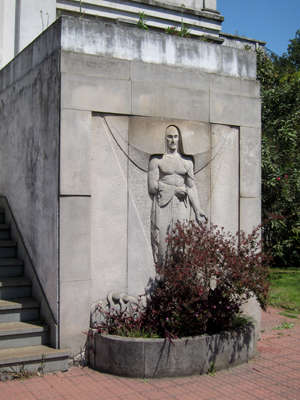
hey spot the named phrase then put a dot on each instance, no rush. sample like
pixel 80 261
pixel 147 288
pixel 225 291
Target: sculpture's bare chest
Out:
pixel 172 164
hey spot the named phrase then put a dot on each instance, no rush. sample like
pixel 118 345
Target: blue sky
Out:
pixel 273 21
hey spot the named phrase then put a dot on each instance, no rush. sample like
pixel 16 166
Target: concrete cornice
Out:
pixel 206 13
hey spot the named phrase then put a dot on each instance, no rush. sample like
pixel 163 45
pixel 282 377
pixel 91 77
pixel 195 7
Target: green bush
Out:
pixel 280 93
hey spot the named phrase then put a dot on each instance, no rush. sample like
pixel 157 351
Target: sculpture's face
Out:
pixel 172 137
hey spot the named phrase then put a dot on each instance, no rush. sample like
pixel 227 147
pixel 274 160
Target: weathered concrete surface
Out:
pixel 250 164
pixel 109 208
pixel 83 144
pixel 201 17
pixel 85 36
pixel 34 17
pixel 240 42
pixel 225 177
pixel 250 213
pixel 29 131
pixel 75 148
pixel 149 81
pixel 81 92
pixel 20 23
pixel 159 358
pixel 7 31
pixel 47 44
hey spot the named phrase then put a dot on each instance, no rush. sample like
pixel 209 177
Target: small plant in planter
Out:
pixel 201 285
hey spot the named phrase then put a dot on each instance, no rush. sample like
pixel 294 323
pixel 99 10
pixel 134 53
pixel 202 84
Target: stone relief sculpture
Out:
pixel 116 301
pixel 175 197
pixel 170 174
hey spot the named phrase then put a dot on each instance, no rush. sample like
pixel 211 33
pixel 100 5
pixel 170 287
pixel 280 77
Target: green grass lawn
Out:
pixel 285 290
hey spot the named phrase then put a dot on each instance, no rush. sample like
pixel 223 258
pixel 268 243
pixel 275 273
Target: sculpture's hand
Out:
pixel 180 192
pixel 201 216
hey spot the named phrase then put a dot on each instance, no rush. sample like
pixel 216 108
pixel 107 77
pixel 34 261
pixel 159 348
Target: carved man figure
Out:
pixel 171 181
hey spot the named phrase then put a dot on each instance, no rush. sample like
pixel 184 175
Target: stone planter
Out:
pixel 158 358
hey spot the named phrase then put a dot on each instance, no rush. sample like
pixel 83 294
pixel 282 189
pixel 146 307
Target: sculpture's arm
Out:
pixel 194 199
pixel 153 176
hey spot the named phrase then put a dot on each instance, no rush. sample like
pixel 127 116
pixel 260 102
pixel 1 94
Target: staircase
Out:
pixel 23 335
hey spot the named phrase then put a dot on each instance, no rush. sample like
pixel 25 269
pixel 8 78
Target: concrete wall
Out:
pixel 7 31
pixel 112 41
pixel 120 88
pixel 34 17
pixel 241 42
pixel 21 21
pixel 82 109
pixel 29 152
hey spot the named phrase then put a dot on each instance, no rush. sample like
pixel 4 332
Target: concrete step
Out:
pixel 22 338
pixel 2 216
pixel 14 310
pixel 8 248
pixel 11 267
pixel 20 334
pixel 4 231
pixel 34 358
pixel 16 287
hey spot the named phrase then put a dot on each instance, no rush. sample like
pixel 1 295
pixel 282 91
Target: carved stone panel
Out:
pixel 123 151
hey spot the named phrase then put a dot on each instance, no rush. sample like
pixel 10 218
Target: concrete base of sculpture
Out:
pixel 159 358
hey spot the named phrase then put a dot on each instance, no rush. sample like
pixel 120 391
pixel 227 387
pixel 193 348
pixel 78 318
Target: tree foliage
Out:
pixel 280 93
pixel 290 61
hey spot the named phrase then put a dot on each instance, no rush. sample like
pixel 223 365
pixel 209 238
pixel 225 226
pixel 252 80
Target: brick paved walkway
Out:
pixel 275 374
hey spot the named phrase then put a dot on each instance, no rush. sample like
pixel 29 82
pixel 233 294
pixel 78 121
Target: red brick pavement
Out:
pixel 275 374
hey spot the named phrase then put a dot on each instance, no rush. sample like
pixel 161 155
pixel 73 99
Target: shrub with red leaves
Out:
pixel 203 282
pixel 205 279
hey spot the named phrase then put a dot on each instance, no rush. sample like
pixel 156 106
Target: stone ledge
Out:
pixel 125 43
pixel 159 358
pixel 159 15
pixel 145 5
pixel 187 10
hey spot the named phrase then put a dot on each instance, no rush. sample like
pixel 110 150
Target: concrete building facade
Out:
pixel 21 21
pixel 83 108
